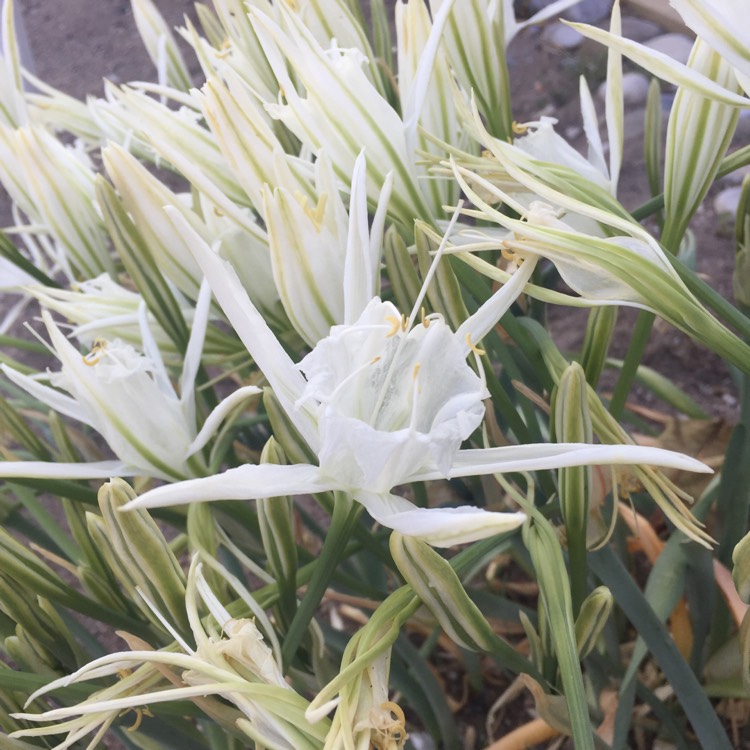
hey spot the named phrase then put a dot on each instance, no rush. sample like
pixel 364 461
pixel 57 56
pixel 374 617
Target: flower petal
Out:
pixel 441 527
pixel 243 483
pixel 264 347
pixel 537 456
pixel 52 470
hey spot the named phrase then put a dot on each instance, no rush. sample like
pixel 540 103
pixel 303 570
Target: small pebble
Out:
pixel 639 29
pixel 727 201
pixel 559 36
pixel 589 11
pixel 676 46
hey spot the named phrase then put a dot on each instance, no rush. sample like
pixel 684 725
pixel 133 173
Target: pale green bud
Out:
pixel 139 554
pixel 592 618
pixel 440 589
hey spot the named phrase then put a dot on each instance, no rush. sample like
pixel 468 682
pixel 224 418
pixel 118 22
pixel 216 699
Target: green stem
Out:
pixel 345 515
pixel 637 346
pixel 578 560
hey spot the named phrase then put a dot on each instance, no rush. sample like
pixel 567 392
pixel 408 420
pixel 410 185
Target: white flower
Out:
pixel 233 662
pixel 128 398
pixel 386 401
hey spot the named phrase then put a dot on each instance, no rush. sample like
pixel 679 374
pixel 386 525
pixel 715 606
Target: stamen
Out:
pixel 395 325
pixel 511 255
pixel 375 359
pixel 95 355
pixel 404 323
pixel 416 370
pixel 425 319
pixel 519 128
pixel 473 347
pixel 139 714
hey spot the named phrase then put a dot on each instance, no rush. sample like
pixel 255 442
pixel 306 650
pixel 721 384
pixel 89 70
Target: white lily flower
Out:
pixel 101 309
pixel 383 402
pixel 53 185
pixel 127 397
pixel 232 662
pixel 313 247
pixel 341 112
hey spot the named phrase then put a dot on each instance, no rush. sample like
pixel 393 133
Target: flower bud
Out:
pixel 592 618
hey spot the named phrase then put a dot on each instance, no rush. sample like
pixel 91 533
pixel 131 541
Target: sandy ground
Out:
pixel 91 40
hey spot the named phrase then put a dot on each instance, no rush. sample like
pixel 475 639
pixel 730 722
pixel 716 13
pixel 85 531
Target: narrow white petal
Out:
pixel 243 483
pixel 538 456
pixel 441 527
pixel 50 396
pixel 218 414
pixel 418 90
pixel 359 273
pixel 474 328
pixel 51 470
pixel 194 349
pixel 285 379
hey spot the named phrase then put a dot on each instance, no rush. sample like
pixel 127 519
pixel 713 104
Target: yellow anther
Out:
pixel 218 211
pixel 139 714
pixel 511 255
pixel 404 323
pixel 416 370
pixel 473 347
pixel 519 128
pixel 375 359
pixel 425 319
pixel 395 325
pixel 95 355
pixel 390 734
pixel 316 214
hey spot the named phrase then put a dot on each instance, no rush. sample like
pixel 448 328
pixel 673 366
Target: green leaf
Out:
pixel 706 724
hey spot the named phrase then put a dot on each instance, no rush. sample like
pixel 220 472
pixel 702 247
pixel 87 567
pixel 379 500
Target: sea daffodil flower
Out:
pixel 232 661
pixel 127 397
pixel 382 402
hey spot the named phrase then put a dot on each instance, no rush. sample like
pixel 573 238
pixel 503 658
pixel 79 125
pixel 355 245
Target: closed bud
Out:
pixel 592 618
pixel 139 554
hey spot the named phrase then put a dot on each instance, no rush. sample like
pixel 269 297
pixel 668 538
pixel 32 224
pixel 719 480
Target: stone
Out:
pixel 676 46
pixel 728 200
pixel 560 36
pixel 589 11
pixel 639 29
pixel 634 89
pixel 586 11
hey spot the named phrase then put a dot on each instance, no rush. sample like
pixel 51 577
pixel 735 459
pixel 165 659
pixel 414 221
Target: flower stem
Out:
pixel 345 515
pixel 641 333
